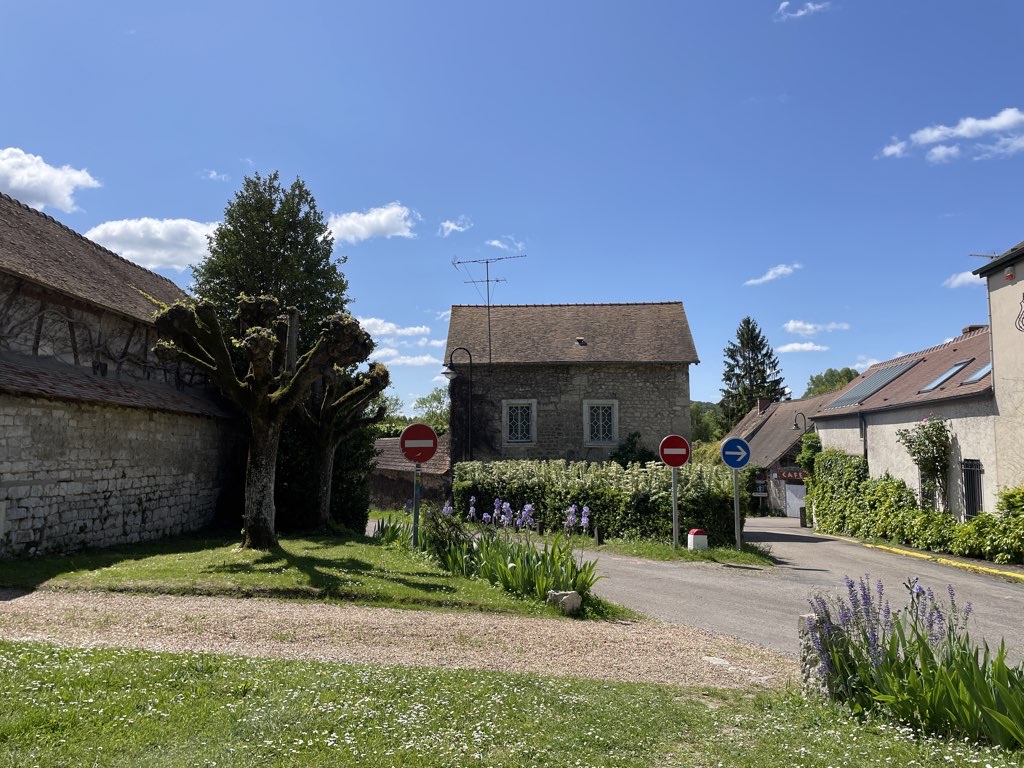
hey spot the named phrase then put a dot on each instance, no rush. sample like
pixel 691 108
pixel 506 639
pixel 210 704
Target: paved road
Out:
pixel 762 604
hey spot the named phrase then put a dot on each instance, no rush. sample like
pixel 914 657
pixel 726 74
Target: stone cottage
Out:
pixel 566 381
pixel 100 443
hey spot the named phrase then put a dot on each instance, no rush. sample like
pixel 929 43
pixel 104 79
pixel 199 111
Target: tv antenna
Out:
pixel 983 255
pixel 487 280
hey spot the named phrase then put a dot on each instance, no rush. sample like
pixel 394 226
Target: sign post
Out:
pixel 736 454
pixel 418 443
pixel 675 452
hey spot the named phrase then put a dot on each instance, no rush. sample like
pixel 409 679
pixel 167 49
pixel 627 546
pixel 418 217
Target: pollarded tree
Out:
pixel 751 372
pixel 267 390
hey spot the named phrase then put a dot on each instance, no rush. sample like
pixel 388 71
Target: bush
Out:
pixel 632 451
pixel 918 665
pixel 625 502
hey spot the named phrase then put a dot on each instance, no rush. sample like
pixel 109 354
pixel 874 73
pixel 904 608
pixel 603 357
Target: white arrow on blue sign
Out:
pixel 735 453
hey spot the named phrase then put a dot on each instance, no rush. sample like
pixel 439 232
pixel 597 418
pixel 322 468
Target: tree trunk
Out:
pixel 264 437
pixel 325 480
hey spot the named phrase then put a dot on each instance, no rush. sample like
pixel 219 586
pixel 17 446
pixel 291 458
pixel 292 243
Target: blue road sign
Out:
pixel 735 453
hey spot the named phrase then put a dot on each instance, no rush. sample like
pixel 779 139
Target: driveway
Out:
pixel 761 605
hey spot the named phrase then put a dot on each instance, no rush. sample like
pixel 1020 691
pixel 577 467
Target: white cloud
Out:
pixel 430 343
pixel 783 13
pixel 384 353
pixel 942 153
pixel 507 243
pixel 414 360
pixel 155 243
pixel 444 315
pixel 1009 119
pixel 961 279
pixel 211 175
pixel 803 328
pixel 391 220
pixel 802 346
pixel 448 226
pixel 377 327
pixel 896 149
pixel 781 270
pixel 863 363
pixel 1004 147
pixel 440 379
pixel 38 184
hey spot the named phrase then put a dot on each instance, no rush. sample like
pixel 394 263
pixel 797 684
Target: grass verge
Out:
pixel 114 707
pixel 353 569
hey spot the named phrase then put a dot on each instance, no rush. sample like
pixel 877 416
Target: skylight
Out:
pixel 872 384
pixel 979 374
pixel 957 367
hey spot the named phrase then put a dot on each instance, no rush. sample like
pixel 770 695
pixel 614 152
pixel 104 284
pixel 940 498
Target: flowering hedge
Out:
pixel 846 501
pixel 628 502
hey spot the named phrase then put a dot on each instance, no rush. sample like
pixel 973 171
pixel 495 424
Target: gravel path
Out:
pixel 633 651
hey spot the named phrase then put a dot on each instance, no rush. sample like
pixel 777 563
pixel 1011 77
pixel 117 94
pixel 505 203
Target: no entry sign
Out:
pixel 418 443
pixel 674 450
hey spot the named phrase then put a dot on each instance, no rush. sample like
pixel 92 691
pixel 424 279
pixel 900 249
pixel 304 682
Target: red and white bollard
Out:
pixel 697 539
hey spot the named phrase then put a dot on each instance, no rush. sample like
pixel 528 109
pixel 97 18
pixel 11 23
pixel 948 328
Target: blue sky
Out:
pixel 826 168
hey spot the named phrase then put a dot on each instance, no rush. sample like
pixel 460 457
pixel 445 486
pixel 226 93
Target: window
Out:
pixel 980 374
pixel 600 422
pixel 868 386
pixel 972 487
pixel 957 367
pixel 519 421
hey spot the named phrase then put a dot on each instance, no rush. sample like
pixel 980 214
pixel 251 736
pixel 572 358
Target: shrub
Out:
pixel 918 665
pixel 632 451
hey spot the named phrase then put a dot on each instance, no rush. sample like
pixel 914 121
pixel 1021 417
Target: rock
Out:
pixel 568 602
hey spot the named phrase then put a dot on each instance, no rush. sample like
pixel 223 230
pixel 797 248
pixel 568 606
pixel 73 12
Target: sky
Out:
pixel 827 168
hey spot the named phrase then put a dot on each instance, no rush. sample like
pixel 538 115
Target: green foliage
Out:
pixel 751 372
pixel 832 380
pixel 706 422
pixel 707 454
pixel 846 501
pixel 810 447
pixel 394 420
pixel 626 502
pixel 918 665
pixel 928 444
pixel 632 451
pixel 433 409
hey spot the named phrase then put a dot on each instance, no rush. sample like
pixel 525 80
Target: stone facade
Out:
pixel 80 474
pixel 649 398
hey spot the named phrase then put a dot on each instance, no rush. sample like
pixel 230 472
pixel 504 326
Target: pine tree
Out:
pixel 751 372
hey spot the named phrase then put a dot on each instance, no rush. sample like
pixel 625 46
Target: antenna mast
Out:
pixel 487 279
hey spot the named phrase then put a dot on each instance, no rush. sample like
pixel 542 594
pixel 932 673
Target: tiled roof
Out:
pixel 49 378
pixel 573 333
pixel 390 456
pixel 770 433
pixel 1009 257
pixel 39 248
pixel 931 363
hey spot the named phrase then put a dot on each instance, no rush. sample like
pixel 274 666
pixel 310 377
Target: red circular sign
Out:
pixel 674 450
pixel 418 443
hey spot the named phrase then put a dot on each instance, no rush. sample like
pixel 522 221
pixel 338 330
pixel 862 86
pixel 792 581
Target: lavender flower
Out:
pixel 570 517
pixel 446 510
pixel 585 519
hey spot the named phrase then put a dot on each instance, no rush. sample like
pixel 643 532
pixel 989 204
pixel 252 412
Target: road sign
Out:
pixel 735 453
pixel 418 443
pixel 674 450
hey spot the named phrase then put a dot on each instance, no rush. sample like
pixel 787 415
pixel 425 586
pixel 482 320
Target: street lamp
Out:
pixel 798 413
pixel 450 373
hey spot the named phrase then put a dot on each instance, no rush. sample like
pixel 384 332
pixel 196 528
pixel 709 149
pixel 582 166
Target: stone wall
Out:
pixel 76 474
pixel 652 399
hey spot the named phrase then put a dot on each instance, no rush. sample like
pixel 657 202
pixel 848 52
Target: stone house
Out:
pixel 774 432
pixel 100 443
pixel 391 485
pixel 566 381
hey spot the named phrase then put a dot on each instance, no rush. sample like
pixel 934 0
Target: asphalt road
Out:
pixel 761 605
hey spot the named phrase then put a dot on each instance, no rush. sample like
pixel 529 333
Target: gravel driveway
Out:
pixel 649 651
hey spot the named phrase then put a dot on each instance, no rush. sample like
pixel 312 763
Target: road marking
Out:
pixel 933 558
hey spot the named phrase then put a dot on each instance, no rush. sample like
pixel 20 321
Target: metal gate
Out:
pixel 973 471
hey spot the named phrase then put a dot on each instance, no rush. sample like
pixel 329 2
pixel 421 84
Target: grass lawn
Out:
pixel 110 707
pixel 353 569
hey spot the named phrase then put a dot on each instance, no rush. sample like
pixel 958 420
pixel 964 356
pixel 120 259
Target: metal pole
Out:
pixel 416 507
pixel 736 507
pixel 675 508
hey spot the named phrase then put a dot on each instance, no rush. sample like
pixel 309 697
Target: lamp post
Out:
pixel 798 413
pixel 451 373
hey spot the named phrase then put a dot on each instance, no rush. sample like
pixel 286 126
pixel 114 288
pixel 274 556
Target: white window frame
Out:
pixel 587 441
pixel 505 405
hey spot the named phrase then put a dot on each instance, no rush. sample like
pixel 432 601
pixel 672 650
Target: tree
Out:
pixel 394 421
pixel 433 409
pixel 751 372
pixel 268 389
pixel 706 424
pixel 273 242
pixel 831 380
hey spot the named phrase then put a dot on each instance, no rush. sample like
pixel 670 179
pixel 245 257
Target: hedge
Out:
pixel 625 502
pixel 847 501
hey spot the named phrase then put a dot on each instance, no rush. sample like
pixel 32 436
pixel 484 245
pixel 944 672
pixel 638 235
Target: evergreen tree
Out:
pixel 751 372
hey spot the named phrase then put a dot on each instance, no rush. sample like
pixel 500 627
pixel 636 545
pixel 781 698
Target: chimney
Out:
pixel 972 328
pixel 762 405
